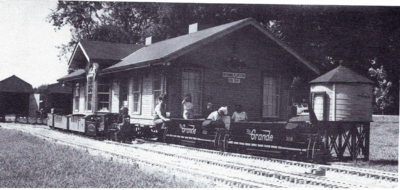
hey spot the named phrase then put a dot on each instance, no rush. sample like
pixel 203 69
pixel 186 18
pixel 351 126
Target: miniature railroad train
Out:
pixel 287 140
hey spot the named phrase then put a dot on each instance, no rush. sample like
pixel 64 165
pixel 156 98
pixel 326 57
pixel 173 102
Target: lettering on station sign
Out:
pixel 234 77
pixel 233 80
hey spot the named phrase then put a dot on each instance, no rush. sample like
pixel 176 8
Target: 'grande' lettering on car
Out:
pixel 261 137
pixel 188 130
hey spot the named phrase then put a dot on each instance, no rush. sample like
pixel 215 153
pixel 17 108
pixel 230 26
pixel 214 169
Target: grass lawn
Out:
pixel 384 145
pixel 28 161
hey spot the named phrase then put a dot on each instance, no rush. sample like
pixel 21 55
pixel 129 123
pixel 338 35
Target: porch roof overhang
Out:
pixel 76 75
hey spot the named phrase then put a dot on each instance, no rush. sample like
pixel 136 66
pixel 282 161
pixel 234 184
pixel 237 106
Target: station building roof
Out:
pixel 107 50
pixel 16 85
pixel 341 74
pixel 164 51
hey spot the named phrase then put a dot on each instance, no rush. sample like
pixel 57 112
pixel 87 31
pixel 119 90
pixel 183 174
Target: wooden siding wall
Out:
pixel 262 59
pixel 353 102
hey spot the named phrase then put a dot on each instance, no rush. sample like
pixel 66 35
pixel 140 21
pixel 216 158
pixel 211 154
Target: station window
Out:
pixel 103 95
pixel 76 96
pixel 192 84
pixel 136 93
pixel 271 91
pixel 157 87
pixel 123 92
pixel 89 93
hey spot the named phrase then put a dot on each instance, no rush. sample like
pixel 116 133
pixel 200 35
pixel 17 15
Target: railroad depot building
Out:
pixel 236 63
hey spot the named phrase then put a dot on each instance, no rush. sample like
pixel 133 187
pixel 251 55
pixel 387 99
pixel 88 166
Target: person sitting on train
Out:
pixel 187 107
pixel 216 115
pixel 214 120
pixel 239 114
pixel 160 113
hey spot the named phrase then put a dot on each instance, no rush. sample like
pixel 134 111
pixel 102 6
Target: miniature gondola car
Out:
pixel 97 124
pixel 288 140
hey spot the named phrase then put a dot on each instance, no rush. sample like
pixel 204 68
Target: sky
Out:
pixel 28 41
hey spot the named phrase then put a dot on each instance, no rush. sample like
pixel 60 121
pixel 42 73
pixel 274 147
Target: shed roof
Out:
pixel 163 51
pixel 15 84
pixel 341 74
pixel 77 74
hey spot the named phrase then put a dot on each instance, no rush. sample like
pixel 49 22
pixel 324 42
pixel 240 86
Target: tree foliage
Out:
pixel 325 35
pixel 383 100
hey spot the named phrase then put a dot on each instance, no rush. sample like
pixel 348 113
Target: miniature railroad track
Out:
pixel 269 177
pixel 342 170
pixel 296 176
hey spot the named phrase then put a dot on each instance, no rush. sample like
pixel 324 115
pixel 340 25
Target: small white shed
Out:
pixel 342 95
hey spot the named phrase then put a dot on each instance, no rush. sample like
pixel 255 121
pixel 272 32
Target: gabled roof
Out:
pixel 95 50
pixel 164 51
pixel 77 74
pixel 341 74
pixel 15 84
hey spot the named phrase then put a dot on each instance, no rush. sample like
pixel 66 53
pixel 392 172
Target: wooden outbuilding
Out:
pixel 55 96
pixel 236 63
pixel 14 96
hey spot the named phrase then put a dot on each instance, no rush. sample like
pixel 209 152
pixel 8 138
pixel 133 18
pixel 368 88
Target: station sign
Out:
pixel 234 77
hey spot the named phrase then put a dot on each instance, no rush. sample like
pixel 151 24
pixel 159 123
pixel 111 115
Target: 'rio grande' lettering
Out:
pixel 261 137
pixel 191 130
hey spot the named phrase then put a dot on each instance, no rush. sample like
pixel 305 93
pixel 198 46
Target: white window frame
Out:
pixel 76 97
pixel 99 84
pixel 89 106
pixel 139 92
pixel 123 82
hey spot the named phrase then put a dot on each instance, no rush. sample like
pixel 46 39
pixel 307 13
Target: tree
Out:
pixel 383 100
pixel 324 35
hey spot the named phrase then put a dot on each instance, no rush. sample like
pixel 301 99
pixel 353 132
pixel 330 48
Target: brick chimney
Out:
pixel 193 28
pixel 148 41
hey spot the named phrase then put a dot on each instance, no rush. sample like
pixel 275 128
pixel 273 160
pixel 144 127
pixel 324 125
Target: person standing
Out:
pixel 187 107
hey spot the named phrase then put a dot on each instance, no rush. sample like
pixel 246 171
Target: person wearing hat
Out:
pixel 214 119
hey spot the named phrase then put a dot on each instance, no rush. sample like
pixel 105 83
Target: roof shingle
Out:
pixel 341 74
pixel 108 50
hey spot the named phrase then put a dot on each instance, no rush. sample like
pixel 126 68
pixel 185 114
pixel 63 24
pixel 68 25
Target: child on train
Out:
pixel 239 114
pixel 187 107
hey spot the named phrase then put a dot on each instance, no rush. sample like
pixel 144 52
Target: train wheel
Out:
pixel 225 143
pixel 164 136
pixel 118 136
pixel 220 142
pixel 216 140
